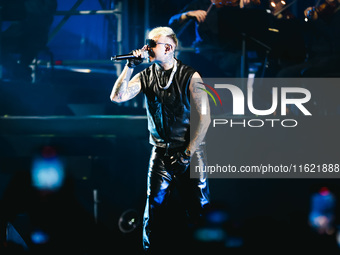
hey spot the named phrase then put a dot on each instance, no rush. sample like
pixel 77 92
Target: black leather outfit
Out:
pixel 168 112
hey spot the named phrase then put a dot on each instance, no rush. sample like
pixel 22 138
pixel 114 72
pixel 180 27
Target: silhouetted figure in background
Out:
pixel 323 44
pixel 217 53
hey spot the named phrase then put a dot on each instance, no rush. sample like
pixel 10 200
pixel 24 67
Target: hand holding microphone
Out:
pixel 134 58
pixel 139 56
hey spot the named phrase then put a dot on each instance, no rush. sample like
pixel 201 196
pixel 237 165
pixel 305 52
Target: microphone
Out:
pixel 145 54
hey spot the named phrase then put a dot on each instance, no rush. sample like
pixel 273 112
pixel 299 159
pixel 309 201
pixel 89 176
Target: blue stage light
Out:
pixel 47 173
pixel 322 213
pixel 39 237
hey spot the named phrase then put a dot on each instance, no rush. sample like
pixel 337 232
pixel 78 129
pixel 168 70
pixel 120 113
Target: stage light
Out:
pixel 128 221
pixel 322 213
pixel 81 70
pixel 338 236
pixel 210 235
pixel 39 237
pixel 217 217
pixel 47 173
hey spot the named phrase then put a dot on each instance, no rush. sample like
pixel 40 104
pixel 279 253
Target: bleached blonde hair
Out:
pixel 165 31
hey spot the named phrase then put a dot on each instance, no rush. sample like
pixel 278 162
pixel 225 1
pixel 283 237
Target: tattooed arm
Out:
pixel 198 97
pixel 125 89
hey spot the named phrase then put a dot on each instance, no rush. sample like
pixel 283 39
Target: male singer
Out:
pixel 170 88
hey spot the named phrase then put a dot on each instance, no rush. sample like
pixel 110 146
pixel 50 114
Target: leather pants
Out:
pixel 193 191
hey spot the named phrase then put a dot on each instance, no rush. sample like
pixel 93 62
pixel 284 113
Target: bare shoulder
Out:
pixel 196 75
pixel 196 83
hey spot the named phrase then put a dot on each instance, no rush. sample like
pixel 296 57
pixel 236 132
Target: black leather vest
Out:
pixel 168 110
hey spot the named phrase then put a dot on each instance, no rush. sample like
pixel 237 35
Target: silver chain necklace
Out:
pixel 171 77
